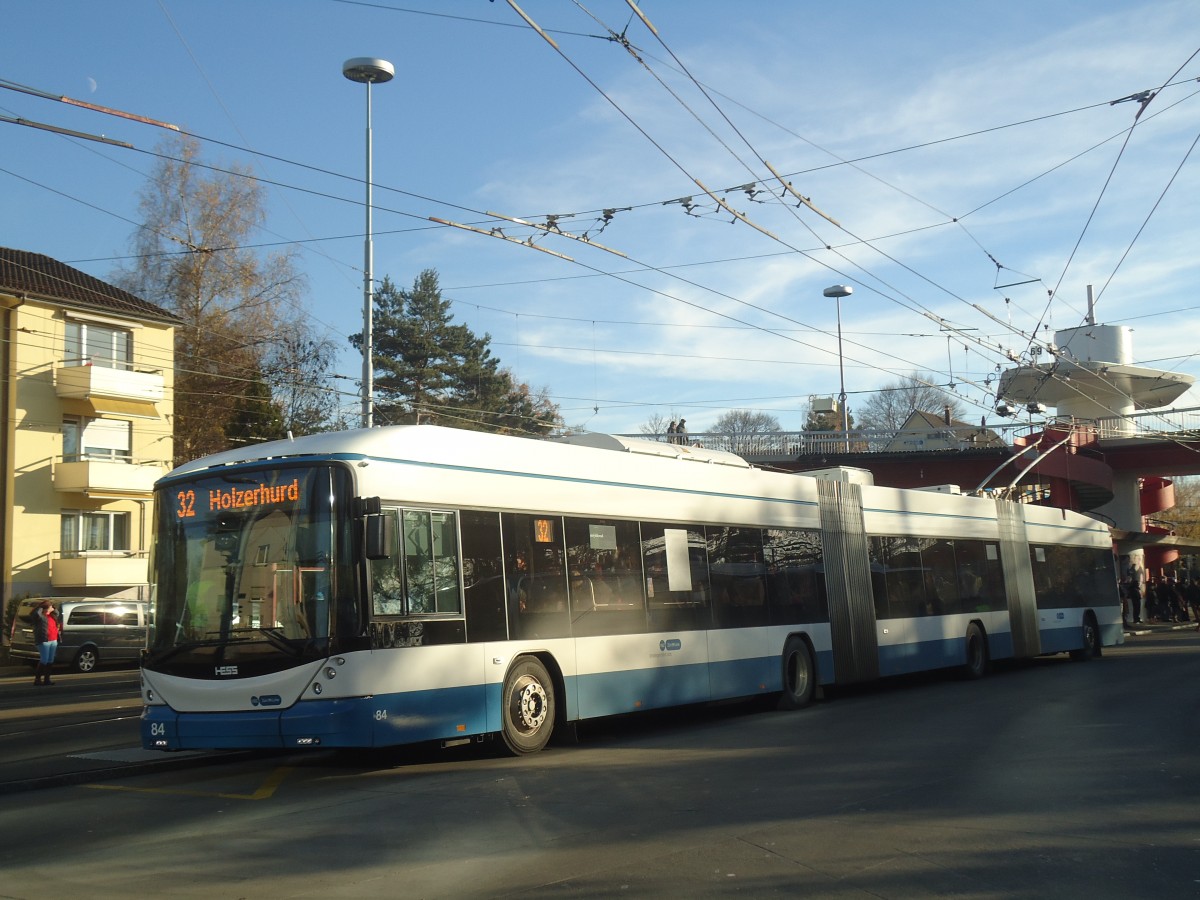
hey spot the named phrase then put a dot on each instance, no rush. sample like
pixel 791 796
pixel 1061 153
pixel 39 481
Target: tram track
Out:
pixel 58 726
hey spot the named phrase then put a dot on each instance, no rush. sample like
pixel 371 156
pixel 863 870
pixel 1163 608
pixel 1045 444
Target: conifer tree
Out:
pixel 429 370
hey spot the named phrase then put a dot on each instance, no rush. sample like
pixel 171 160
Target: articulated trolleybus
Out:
pixel 404 584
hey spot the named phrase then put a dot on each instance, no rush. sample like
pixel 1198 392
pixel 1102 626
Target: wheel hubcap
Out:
pixel 797 675
pixel 531 704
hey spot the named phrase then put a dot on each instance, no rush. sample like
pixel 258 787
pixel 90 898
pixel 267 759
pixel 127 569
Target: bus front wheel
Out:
pixel 529 708
pixel 799 675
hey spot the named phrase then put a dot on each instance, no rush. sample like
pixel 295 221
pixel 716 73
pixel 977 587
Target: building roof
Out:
pixel 43 278
pixel 920 422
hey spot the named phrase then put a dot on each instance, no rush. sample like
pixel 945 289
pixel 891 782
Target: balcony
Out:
pixel 98 569
pixel 120 391
pixel 110 478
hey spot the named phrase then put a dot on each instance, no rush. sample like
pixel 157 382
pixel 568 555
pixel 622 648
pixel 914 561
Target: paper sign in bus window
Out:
pixel 602 537
pixel 679 566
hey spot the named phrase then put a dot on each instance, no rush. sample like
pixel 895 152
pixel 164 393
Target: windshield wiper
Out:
pixel 275 637
pixel 282 641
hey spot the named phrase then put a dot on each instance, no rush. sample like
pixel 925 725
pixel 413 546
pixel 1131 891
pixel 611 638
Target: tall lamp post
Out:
pixel 368 71
pixel 838 291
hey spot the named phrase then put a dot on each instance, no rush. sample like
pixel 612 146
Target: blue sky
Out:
pixel 961 148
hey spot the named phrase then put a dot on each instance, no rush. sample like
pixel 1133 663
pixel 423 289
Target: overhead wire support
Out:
pixel 534 25
pixel 555 230
pixel 67 132
pixel 787 186
pixel 733 212
pixel 504 237
pixel 83 104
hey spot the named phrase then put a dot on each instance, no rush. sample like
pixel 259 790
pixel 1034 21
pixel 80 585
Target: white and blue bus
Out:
pixel 409 584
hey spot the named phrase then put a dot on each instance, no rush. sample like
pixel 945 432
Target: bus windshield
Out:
pixel 246 568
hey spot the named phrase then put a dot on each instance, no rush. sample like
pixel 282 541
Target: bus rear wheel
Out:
pixel 529 709
pixel 799 675
pixel 1091 641
pixel 976 665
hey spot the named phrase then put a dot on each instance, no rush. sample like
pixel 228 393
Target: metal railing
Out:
pixel 1165 422
pixel 825 443
pixel 116 457
pixel 100 554
pixel 1173 423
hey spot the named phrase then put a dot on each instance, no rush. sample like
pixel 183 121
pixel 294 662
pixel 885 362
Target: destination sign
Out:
pixel 227 498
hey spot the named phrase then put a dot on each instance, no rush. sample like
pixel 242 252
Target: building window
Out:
pixel 96 439
pixel 94 344
pixel 94 532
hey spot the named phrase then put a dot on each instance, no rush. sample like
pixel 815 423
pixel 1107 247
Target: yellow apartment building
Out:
pixel 86 398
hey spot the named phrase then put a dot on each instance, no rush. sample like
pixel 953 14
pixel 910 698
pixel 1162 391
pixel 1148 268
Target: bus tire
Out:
pixel 1091 640
pixel 528 707
pixel 976 665
pixel 799 674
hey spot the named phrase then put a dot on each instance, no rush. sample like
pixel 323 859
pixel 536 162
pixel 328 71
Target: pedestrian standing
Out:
pixel 671 429
pixel 681 432
pixel 1135 597
pixel 1192 594
pixel 1179 612
pixel 46 628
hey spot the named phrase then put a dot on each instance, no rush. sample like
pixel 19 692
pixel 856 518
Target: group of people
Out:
pixel 1165 599
pixel 677 432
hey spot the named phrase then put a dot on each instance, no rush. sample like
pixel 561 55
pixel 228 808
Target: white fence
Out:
pixel 1169 424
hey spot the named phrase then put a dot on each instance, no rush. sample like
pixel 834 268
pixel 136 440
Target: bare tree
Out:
pixel 237 305
pixel 1184 517
pixel 892 404
pixel 297 369
pixel 657 424
pixel 745 421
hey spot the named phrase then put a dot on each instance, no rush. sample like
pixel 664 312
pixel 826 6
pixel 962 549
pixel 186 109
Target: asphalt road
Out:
pixel 1053 779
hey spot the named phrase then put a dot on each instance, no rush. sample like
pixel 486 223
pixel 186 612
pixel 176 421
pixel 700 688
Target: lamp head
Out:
pixel 367 70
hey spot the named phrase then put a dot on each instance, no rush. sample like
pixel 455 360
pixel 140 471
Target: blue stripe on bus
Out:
pixel 382 720
pixel 1062 640
pixel 611 693
pixel 433 715
pixel 919 656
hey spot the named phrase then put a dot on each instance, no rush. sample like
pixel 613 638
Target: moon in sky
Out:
pixel 91 85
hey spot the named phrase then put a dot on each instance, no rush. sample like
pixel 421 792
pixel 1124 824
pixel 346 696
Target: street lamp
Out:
pixel 838 291
pixel 368 71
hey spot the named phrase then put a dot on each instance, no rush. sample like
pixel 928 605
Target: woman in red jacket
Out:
pixel 45 636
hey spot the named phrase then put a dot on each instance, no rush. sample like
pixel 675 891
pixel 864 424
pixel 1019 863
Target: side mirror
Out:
pixel 379 535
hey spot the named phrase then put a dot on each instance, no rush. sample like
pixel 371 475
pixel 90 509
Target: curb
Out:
pixel 1178 626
